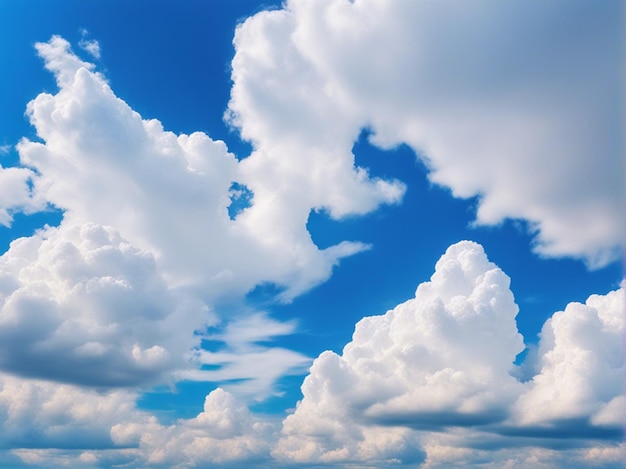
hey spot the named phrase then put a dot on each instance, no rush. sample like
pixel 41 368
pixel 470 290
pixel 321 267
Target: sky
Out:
pixel 318 233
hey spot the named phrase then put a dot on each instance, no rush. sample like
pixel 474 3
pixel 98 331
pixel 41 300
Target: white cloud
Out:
pixel 441 359
pixel 579 386
pixel 245 353
pixel 41 414
pixel 67 426
pixel 427 383
pixel 90 45
pixel 79 304
pixel 516 103
pixel 15 193
pixel 432 380
pixel 223 432
pixel 169 194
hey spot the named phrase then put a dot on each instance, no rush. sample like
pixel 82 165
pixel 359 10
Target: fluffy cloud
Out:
pixel 79 304
pixel 429 383
pixel 15 193
pixel 579 386
pixel 436 373
pixel 514 103
pixel 440 359
pixel 146 237
pixel 41 414
pixel 69 426
pixel 149 184
pixel 225 431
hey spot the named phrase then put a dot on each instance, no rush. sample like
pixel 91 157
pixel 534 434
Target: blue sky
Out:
pixel 311 234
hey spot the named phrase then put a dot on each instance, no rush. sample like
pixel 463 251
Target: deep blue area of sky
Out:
pixel 171 61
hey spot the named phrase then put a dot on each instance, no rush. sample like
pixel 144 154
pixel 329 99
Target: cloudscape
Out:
pixel 317 233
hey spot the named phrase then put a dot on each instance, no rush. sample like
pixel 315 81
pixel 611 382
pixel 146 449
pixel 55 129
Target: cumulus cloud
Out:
pixel 429 383
pixel 15 193
pixel 515 103
pixel 68 426
pixel 440 359
pixel 579 386
pixel 225 431
pixel 79 304
pixel 149 184
pixel 42 414
pixel 432 379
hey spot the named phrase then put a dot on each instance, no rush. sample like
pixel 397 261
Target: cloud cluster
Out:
pixel 437 373
pixel 515 106
pixel 42 414
pixel 225 431
pixel 429 383
pixel 71 426
pixel 146 239
pixel 516 103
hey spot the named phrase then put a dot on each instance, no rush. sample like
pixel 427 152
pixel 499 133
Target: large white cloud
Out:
pixel 514 102
pixel 101 162
pixel 42 414
pixel 433 380
pixel 441 359
pixel 79 304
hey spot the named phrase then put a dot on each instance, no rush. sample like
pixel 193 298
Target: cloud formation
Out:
pixel 119 294
pixel 70 426
pixel 149 184
pixel 429 383
pixel 437 373
pixel 79 304
pixel 513 103
pixel 146 244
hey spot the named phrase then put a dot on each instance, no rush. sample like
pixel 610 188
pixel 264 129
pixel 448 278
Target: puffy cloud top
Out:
pixel 444 361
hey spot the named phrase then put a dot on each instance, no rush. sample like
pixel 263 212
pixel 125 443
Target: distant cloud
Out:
pixel 515 103
pixel 90 45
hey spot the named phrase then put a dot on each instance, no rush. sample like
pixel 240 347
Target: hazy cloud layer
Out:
pixel 514 102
